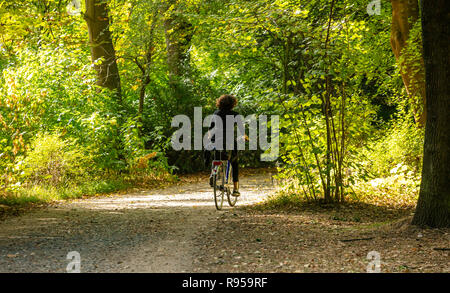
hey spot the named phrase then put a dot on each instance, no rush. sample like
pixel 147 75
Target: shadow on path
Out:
pixel 145 231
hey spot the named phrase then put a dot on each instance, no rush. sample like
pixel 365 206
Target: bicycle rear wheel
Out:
pixel 231 199
pixel 219 188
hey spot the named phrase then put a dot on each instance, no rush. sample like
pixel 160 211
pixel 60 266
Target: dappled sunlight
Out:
pixel 116 117
pixel 253 190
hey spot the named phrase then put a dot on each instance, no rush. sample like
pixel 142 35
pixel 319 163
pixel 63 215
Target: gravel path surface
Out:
pixel 177 229
pixel 145 231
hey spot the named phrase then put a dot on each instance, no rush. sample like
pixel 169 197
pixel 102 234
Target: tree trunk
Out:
pixel 178 33
pixel 102 47
pixel 433 207
pixel 404 14
pixel 103 56
pixel 145 68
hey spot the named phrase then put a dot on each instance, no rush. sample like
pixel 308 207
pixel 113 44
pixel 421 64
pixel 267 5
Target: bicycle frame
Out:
pixel 217 163
pixel 221 181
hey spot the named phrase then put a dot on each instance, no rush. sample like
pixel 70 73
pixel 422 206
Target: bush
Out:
pixel 390 169
pixel 53 161
pixel 402 144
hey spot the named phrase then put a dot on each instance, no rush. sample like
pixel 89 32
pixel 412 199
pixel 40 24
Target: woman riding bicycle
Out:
pixel 225 105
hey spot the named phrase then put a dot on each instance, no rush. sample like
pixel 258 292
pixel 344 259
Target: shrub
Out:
pixel 402 143
pixel 54 161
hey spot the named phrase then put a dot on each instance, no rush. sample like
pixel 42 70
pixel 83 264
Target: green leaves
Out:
pixel 271 54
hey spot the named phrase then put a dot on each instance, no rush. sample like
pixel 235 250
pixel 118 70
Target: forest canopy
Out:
pixel 89 89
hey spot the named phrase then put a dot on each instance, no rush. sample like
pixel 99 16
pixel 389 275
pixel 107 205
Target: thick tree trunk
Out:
pixel 433 207
pixel 103 55
pixel 404 14
pixel 102 47
pixel 178 33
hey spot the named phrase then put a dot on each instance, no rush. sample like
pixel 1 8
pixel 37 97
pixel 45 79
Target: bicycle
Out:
pixel 220 174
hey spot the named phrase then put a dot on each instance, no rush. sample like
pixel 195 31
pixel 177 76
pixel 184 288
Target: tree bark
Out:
pixel 102 48
pixel 404 14
pixel 433 207
pixel 178 33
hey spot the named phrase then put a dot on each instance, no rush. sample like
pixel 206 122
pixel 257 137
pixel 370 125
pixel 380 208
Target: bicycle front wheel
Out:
pixel 219 188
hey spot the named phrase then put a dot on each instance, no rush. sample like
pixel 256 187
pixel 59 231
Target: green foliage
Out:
pixel 333 82
pixel 411 59
pixel 400 146
pixel 53 90
pixel 38 194
pixel 54 161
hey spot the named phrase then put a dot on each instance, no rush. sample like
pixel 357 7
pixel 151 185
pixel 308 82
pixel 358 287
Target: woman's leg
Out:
pixel 235 166
pixel 235 171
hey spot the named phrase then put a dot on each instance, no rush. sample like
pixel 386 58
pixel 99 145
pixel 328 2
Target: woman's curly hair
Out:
pixel 226 102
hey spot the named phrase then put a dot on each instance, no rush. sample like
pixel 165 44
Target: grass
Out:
pixel 396 192
pixel 38 194
pixel 382 203
pixel 43 194
pixel 283 200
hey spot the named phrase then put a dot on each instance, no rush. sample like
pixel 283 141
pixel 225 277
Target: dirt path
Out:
pixel 177 229
pixel 146 231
